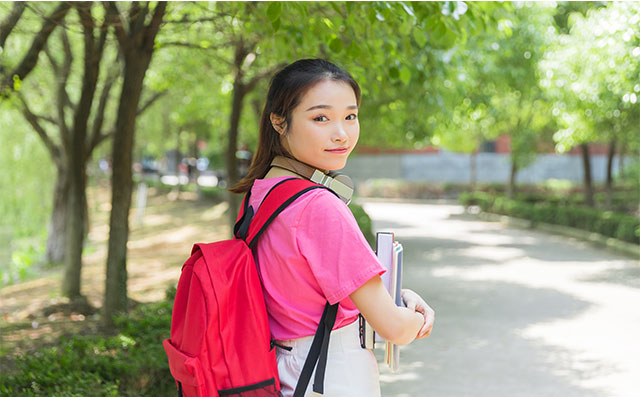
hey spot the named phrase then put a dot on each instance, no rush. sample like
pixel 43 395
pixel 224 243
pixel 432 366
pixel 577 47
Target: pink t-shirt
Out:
pixel 313 252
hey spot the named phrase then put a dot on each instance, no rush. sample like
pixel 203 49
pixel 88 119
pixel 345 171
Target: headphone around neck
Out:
pixel 340 184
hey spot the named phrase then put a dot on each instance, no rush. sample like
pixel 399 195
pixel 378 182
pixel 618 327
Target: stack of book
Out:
pixel 389 253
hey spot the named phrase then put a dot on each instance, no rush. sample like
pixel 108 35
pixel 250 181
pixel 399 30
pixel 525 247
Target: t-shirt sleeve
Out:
pixel 330 240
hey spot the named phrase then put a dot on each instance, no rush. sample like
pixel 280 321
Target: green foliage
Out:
pixel 26 184
pixel 592 73
pixel 364 221
pixel 130 363
pixel 612 224
pixel 26 255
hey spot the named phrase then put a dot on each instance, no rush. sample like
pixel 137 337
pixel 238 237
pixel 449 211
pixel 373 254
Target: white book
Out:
pixel 384 251
pixel 392 351
pixel 390 255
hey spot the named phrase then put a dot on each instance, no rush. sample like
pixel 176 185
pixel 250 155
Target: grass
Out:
pixel 33 313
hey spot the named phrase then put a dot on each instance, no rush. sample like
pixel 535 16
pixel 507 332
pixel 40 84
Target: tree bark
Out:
pixel 621 155
pixel 239 93
pixel 609 183
pixel 29 61
pixel 122 187
pixel 76 156
pixel 10 22
pixel 511 189
pixel 58 222
pixel 137 46
pixel 472 164
pixel 588 188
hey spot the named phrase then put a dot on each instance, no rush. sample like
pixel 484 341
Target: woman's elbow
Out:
pixel 400 337
pixel 400 332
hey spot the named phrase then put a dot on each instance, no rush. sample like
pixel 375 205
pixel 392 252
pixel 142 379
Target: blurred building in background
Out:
pixel 492 163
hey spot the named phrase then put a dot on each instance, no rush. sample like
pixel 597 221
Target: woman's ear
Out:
pixel 279 124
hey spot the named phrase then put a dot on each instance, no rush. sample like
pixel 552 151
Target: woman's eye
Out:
pixel 352 116
pixel 321 118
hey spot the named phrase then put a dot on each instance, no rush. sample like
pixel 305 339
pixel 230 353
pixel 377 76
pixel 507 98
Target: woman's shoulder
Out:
pixel 319 197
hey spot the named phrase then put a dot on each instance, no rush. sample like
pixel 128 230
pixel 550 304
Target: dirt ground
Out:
pixel 34 313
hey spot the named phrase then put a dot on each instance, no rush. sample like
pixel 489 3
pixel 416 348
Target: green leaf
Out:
pixel 349 5
pixel 419 36
pixel 405 28
pixel 274 10
pixel 275 24
pixel 17 82
pixel 302 8
pixel 449 38
pixel 336 8
pixel 431 22
pixel 405 75
pixel 440 30
pixel 371 15
pixel 335 44
pixel 394 73
pixel 354 50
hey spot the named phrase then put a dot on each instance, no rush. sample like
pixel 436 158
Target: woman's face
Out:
pixel 324 127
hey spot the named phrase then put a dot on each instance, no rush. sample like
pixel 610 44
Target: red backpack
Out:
pixel 220 341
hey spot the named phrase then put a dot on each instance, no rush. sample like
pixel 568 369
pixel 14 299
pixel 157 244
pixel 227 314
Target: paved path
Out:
pixel 518 312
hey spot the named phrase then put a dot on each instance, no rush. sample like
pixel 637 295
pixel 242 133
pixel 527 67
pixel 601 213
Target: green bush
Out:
pixel 364 221
pixel 561 212
pixel 130 363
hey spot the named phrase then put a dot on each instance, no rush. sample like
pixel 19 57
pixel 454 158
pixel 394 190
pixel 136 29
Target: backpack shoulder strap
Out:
pixel 277 199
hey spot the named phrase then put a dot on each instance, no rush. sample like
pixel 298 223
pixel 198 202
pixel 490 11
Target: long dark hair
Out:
pixel 285 92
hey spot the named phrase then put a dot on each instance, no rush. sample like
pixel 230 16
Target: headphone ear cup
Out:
pixel 342 185
pixel 344 179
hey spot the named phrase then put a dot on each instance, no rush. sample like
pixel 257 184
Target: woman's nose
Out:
pixel 339 134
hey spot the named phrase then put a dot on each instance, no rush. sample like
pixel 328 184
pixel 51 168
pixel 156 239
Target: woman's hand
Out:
pixel 415 303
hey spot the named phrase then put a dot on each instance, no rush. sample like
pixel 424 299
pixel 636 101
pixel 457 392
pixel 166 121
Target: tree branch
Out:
pixel 98 121
pixel 137 16
pixel 7 26
pixel 52 61
pixel 252 83
pixel 53 149
pixel 63 99
pixel 208 19
pixel 150 101
pixel 112 11
pixel 152 29
pixel 198 47
pixel 192 45
pixel 31 58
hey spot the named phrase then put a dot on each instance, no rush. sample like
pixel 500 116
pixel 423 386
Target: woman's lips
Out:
pixel 338 151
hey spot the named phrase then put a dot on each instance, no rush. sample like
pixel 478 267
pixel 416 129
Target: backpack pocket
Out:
pixel 266 388
pixel 186 370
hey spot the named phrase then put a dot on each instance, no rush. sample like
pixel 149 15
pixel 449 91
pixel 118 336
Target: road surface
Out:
pixel 518 312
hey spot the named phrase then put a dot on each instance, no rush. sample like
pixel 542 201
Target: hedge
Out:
pixel 607 223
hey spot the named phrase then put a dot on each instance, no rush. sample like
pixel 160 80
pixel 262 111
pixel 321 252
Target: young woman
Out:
pixel 314 252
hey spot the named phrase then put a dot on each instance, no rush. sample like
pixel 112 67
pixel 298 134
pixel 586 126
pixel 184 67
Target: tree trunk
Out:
pixel 621 155
pixel 74 238
pixel 588 189
pixel 57 224
pixel 473 166
pixel 511 189
pixel 609 183
pixel 121 187
pixel 234 121
pixel 195 153
pixel 232 147
pixel 77 157
pixel 136 45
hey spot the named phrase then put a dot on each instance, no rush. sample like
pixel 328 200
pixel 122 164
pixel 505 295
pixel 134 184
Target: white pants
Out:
pixel 351 370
